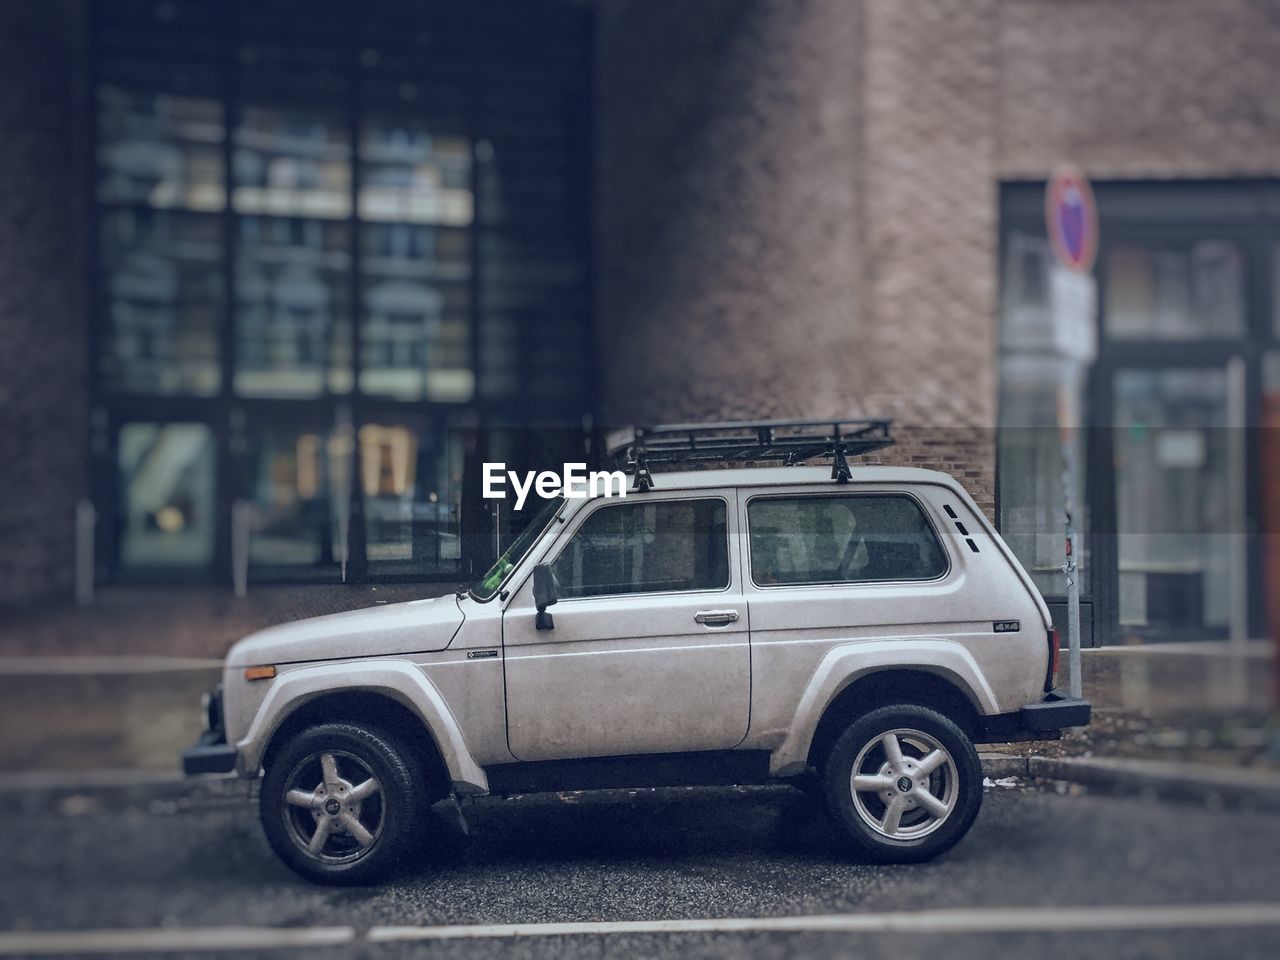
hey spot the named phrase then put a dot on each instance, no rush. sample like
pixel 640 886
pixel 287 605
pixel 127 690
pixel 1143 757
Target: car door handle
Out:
pixel 716 618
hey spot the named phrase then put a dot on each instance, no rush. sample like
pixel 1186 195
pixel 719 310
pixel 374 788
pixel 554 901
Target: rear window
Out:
pixel 841 539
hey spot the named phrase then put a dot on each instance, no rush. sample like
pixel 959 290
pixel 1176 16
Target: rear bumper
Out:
pixel 1044 720
pixel 1055 712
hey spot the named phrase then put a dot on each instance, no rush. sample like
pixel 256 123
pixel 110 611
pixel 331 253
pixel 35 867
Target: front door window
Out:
pixel 657 547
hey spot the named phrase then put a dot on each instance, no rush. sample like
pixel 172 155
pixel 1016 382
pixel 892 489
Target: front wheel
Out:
pixel 904 783
pixel 340 804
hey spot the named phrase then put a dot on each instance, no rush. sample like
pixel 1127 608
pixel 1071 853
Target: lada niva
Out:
pixel 856 630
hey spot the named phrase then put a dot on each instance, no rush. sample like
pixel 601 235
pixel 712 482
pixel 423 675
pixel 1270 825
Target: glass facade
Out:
pixel 333 245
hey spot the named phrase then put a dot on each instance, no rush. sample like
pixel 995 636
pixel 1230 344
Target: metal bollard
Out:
pixel 86 524
pixel 241 519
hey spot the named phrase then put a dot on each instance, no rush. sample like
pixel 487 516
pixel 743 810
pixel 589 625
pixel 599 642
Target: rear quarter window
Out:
pixel 854 538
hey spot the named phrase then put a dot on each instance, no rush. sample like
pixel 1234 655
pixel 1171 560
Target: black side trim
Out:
pixel 711 768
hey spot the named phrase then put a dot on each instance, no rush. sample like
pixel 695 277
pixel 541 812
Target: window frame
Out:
pixel 607 503
pixel 901 494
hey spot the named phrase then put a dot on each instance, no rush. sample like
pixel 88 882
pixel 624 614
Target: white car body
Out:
pixel 645 675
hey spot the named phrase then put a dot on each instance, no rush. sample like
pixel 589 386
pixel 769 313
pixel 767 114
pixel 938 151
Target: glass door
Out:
pixel 1178 477
pixel 410 478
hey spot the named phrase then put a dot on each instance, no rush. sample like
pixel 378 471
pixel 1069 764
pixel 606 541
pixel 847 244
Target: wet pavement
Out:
pixel 619 856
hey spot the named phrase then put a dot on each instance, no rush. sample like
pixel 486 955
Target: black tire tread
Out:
pixel 404 782
pixel 839 763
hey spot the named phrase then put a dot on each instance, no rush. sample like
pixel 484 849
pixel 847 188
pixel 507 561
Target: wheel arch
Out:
pixel 372 708
pixel 858 677
pixel 886 687
pixel 394 695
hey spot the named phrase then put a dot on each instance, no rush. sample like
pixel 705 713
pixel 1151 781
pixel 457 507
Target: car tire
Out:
pixel 903 783
pixel 341 804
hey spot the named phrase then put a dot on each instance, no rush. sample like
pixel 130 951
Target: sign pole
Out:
pixel 1071 220
pixel 1068 405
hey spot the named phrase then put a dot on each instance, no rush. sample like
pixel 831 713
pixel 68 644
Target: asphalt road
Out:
pixel 675 855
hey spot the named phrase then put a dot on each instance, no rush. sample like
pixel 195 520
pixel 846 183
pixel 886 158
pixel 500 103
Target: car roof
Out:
pixel 791 476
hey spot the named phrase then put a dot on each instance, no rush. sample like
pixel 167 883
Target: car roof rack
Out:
pixel 636 449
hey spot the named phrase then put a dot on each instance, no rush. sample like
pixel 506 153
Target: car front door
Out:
pixel 649 650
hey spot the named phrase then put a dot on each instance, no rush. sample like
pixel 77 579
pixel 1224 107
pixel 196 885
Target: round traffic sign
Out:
pixel 1071 218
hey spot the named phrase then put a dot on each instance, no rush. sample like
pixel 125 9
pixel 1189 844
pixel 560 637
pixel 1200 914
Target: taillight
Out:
pixel 1055 651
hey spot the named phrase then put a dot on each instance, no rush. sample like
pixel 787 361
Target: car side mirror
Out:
pixel 544 595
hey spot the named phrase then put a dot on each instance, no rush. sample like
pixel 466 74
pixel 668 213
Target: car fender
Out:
pixel 399 680
pixel 846 663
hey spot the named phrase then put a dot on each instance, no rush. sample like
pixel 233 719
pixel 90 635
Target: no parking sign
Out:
pixel 1072 219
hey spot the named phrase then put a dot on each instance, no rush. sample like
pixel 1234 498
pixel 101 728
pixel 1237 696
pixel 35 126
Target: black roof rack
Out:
pixel 635 449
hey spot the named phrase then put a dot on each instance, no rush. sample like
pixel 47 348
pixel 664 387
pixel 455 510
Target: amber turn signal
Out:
pixel 259 673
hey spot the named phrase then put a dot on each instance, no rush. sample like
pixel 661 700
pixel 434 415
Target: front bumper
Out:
pixel 210 753
pixel 1044 720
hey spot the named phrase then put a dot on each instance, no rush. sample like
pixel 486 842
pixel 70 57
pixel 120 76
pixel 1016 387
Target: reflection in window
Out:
pixel 532 310
pixel 163 290
pixel 293 318
pixel 160 133
pixel 657 547
pixel 1174 488
pixel 410 175
pixel 167 512
pixel 1031 497
pixel 412 485
pixel 1026 322
pixel 416 330
pixel 292 163
pixel 841 540
pixel 289 482
pixel 1175 293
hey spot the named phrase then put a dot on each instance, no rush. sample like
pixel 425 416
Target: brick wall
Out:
pixel 1144 88
pixel 42 297
pixel 797 200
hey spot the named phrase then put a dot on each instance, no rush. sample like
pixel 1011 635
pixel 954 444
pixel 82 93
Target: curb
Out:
pixel 1196 782
pixel 998 766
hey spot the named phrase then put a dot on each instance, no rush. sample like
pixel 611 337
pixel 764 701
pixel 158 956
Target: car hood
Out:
pixel 418 626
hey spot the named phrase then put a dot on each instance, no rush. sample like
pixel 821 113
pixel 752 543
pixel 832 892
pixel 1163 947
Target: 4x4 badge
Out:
pixel 1006 626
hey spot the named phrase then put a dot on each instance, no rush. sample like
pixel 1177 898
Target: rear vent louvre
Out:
pixel 960 528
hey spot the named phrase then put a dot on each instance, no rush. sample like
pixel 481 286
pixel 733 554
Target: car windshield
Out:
pixel 487 586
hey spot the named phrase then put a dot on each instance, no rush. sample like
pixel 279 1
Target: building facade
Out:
pixel 320 251
pixel 838 207
pixel 314 248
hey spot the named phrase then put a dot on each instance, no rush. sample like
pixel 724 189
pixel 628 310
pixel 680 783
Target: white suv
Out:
pixel 852 630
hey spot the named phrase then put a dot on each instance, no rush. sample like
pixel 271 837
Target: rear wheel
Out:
pixel 904 783
pixel 340 804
